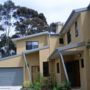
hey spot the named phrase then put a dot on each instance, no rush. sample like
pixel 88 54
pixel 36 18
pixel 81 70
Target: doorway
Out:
pixel 73 71
pixel 35 73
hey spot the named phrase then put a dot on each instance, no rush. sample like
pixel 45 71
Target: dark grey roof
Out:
pixel 33 35
pixel 74 14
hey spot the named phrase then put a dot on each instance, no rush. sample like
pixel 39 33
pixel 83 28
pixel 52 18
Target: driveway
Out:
pixel 10 87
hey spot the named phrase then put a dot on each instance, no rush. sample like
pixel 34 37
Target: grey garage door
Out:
pixel 11 76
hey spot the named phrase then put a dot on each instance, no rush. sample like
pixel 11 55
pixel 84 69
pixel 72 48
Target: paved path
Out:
pixel 10 87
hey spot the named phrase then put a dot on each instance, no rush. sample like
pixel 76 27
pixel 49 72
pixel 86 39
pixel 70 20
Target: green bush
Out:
pixel 64 86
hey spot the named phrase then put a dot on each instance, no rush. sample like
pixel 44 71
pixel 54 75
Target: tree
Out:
pixel 6 15
pixel 7 50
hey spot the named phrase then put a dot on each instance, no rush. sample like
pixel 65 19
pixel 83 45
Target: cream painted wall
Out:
pixel 33 59
pixel 21 44
pixel 58 75
pixel 72 32
pixel 43 56
pixel 85 22
pixel 53 43
pixel 12 62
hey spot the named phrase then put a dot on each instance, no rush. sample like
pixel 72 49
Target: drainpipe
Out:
pixel 64 67
pixel 29 70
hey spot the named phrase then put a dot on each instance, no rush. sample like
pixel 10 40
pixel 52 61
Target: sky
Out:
pixel 54 10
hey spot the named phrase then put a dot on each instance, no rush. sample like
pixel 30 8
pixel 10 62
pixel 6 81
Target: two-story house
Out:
pixel 30 60
pixel 71 60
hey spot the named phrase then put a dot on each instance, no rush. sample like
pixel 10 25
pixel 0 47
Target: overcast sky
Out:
pixel 54 10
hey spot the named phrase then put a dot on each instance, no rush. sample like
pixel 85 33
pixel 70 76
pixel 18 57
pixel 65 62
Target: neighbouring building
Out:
pixel 71 60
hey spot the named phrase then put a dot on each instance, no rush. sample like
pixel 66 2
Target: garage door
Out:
pixel 11 76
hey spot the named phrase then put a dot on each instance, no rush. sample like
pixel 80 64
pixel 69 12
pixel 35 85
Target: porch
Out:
pixel 71 64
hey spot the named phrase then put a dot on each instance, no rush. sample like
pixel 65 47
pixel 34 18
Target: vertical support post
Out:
pixel 62 60
pixel 29 71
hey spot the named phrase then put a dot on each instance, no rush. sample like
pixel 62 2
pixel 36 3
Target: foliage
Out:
pixel 7 47
pixel 64 86
pixel 26 84
pixel 25 20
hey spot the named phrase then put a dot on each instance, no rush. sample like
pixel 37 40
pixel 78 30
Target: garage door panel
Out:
pixel 11 76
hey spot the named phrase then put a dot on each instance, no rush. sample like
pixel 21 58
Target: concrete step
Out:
pixel 10 87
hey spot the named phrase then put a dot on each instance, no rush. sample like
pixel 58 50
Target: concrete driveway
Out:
pixel 10 87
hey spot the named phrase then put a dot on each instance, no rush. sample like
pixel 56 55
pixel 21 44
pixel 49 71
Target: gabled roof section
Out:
pixel 88 7
pixel 30 36
pixel 74 14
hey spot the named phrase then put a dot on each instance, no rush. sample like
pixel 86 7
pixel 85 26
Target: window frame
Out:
pixel 32 47
pixel 76 29
pixel 68 37
pixel 61 41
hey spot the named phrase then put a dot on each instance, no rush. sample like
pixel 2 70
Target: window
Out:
pixel 82 63
pixel 31 45
pixel 61 41
pixel 76 29
pixel 58 68
pixel 45 69
pixel 68 36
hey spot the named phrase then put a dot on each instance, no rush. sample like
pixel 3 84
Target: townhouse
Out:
pixel 30 60
pixel 71 60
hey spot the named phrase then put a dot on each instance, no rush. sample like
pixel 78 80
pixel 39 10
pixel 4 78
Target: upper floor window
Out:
pixel 76 29
pixel 68 36
pixel 31 45
pixel 61 41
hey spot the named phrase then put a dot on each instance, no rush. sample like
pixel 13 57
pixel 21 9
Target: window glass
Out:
pixel 45 69
pixel 58 69
pixel 61 41
pixel 68 36
pixel 76 29
pixel 31 45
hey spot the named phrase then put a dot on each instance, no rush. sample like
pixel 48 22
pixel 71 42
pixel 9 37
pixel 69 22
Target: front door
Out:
pixel 35 73
pixel 73 71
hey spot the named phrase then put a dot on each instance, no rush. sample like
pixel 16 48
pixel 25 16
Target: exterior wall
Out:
pixel 58 75
pixel 53 43
pixel 32 60
pixel 72 32
pixel 43 56
pixel 55 77
pixel 86 77
pixel 15 62
pixel 85 25
pixel 21 44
